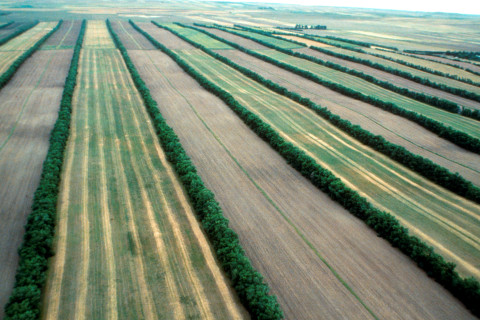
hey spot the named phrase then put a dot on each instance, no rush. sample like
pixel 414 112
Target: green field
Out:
pixel 126 233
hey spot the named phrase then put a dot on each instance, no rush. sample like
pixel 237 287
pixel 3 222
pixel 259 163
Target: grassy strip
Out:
pixel 386 226
pixel 18 32
pixel 24 303
pixel 431 100
pixel 7 75
pixel 6 24
pixel 460 92
pixel 422 166
pixel 459 138
pixel 247 282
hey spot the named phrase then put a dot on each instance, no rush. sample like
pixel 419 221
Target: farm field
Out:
pixel 385 76
pixel 387 185
pixel 450 82
pixel 428 64
pixel 457 62
pixel 10 29
pixel 150 180
pixel 460 123
pixel 271 206
pixel 126 233
pixel 15 47
pixel 28 109
pixel 394 128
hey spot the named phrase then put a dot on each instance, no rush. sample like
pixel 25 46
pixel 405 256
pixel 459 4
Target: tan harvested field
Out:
pixel 11 50
pixel 289 229
pixel 28 110
pixel 128 244
pixel 308 42
pixel 396 80
pixel 125 30
pixel 65 37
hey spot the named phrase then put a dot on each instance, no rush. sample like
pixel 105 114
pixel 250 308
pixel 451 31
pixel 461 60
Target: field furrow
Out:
pixel 458 122
pixel 304 243
pixel 128 243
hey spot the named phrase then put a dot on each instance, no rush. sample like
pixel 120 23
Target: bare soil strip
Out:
pixel 262 229
pixel 28 109
pixel 140 257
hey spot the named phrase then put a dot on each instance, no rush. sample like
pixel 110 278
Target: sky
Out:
pixel 455 6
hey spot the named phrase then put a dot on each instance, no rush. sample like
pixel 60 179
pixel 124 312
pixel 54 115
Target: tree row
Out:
pixel 459 138
pixel 24 302
pixel 386 226
pixel 247 282
pixel 423 166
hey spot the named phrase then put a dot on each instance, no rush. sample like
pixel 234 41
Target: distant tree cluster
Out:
pixel 24 302
pixel 248 283
pixel 307 26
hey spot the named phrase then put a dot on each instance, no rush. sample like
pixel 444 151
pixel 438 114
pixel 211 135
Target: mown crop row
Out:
pixel 459 138
pixel 403 74
pixel 386 226
pixel 19 31
pixel 7 75
pixel 24 303
pixel 248 283
pixel 431 100
pixel 423 166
